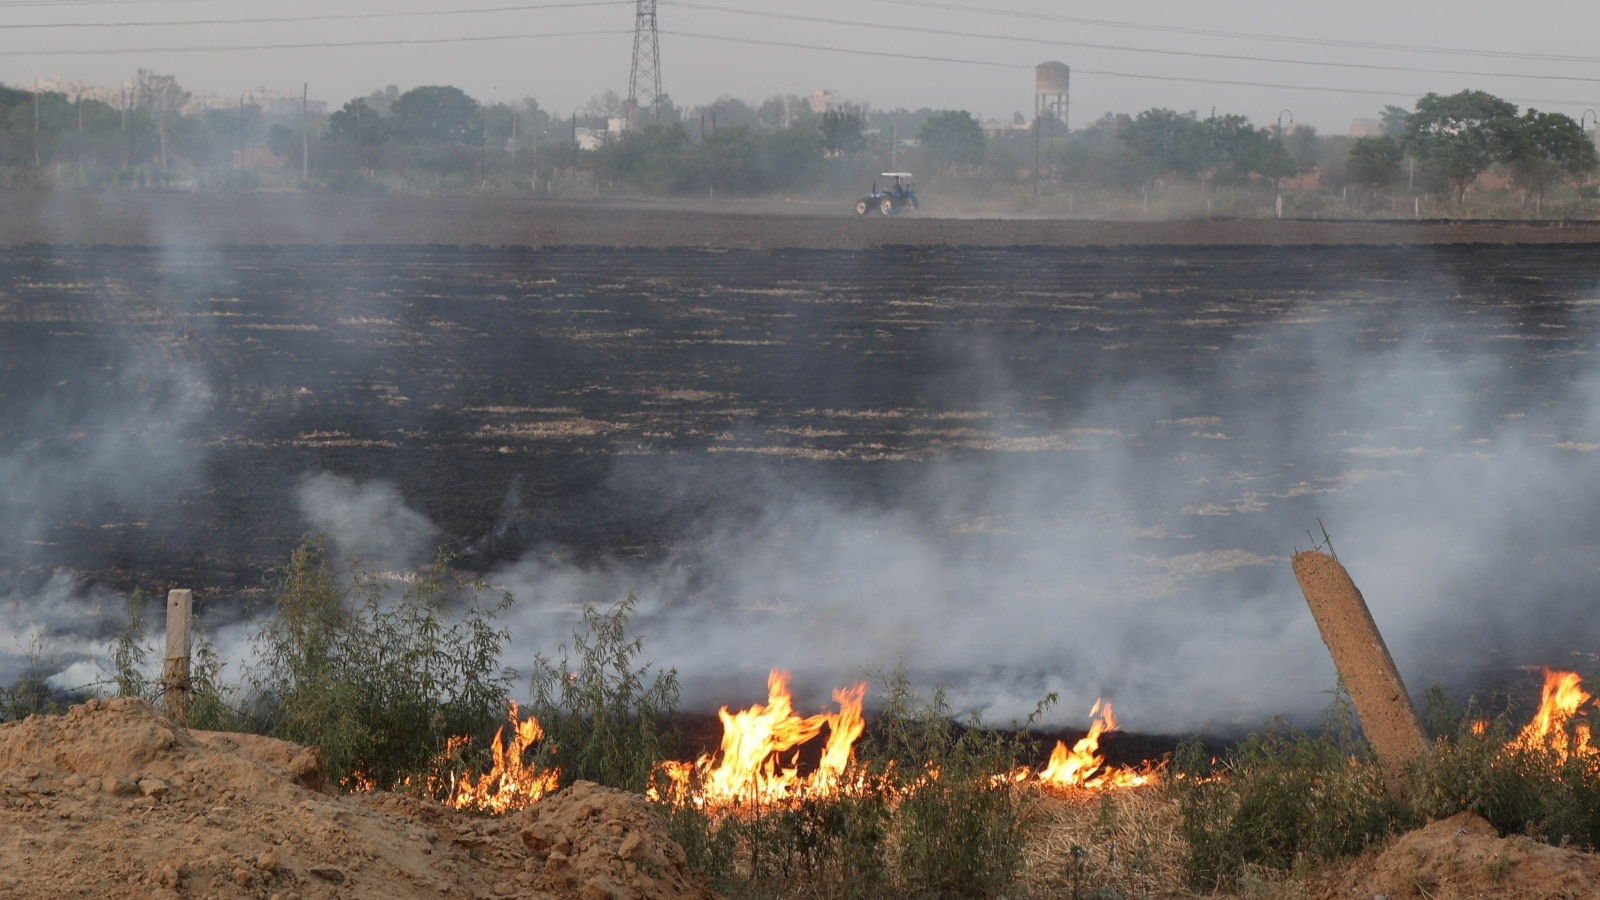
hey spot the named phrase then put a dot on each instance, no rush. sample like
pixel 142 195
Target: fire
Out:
pixel 758 762
pixel 1553 727
pixel 1084 767
pixel 510 783
pixel 750 766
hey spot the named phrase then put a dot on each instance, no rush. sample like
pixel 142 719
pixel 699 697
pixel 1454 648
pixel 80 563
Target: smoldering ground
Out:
pixel 1018 471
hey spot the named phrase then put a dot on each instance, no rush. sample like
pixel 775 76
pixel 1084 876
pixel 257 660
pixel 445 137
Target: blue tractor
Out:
pixel 896 199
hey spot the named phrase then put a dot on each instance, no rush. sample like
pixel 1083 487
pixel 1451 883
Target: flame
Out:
pixel 510 783
pixel 750 766
pixel 1084 767
pixel 1553 727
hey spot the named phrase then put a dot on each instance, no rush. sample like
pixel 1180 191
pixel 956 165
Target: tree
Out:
pixel 281 140
pixel 607 105
pixel 1305 146
pixel 359 123
pixel 841 132
pixel 1394 121
pixel 728 112
pixel 1229 148
pixel 1158 140
pixel 729 156
pixel 1541 148
pixel 953 136
pixel 651 158
pixel 160 97
pixel 437 113
pixel 793 155
pixel 1456 138
pixel 1375 162
pixel 383 100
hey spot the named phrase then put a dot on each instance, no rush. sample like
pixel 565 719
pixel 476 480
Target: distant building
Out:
pixel 1366 128
pixel 79 89
pixel 824 101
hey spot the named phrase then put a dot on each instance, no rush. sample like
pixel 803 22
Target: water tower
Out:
pixel 1050 92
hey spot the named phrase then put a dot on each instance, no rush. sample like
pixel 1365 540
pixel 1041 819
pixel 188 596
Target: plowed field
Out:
pixel 1027 467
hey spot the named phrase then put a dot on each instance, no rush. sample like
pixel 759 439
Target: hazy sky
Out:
pixel 1327 63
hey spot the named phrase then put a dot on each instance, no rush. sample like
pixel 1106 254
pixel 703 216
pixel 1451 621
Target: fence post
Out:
pixel 176 689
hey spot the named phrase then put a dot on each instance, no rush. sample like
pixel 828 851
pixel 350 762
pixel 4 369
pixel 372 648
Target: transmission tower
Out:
pixel 644 84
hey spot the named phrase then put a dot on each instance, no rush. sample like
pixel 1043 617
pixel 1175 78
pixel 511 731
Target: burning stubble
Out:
pixel 1070 472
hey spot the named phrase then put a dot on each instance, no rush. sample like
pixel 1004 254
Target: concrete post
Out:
pixel 1387 716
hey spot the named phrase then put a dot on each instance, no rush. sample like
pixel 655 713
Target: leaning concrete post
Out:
pixel 1369 673
pixel 175 673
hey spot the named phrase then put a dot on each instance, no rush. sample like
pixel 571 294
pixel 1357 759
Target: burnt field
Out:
pixel 1020 469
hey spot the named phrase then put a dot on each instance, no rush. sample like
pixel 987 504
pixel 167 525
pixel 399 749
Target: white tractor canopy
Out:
pixel 907 177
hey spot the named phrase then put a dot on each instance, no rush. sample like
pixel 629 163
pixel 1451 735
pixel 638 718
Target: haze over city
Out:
pixel 1326 65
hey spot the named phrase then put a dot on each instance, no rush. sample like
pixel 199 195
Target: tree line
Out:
pixel 439 136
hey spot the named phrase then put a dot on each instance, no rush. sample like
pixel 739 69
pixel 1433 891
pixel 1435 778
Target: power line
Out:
pixel 1122 48
pixel 11 4
pixel 322 18
pixel 1242 35
pixel 1076 70
pixel 231 48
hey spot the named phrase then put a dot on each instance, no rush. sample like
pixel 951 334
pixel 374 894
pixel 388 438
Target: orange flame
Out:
pixel 1553 727
pixel 1084 767
pixel 510 783
pixel 750 766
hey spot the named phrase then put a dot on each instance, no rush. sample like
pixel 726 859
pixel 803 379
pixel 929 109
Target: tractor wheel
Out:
pixel 861 207
pixel 911 202
pixel 886 206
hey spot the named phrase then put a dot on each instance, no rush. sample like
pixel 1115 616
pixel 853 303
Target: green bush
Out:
pixel 607 716
pixel 31 693
pixel 1518 788
pixel 1283 799
pixel 379 683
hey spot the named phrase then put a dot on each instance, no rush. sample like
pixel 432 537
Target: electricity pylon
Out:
pixel 644 84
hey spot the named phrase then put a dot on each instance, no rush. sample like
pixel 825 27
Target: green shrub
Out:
pixel 32 694
pixel 607 716
pixel 1282 799
pixel 378 683
pixel 129 652
pixel 959 834
pixel 1520 789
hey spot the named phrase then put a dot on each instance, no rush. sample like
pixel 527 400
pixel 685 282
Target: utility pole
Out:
pixel 1277 183
pixel 644 83
pixel 305 136
pixel 241 123
pixel 1037 119
pixel 36 127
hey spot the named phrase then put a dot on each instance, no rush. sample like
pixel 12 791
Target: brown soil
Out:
pixel 1462 857
pixel 111 800
pixel 152 218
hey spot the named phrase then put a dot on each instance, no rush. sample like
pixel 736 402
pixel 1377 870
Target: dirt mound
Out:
pixel 112 800
pixel 597 842
pixel 1463 857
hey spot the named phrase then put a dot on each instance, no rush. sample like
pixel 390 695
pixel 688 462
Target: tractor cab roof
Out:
pixel 907 176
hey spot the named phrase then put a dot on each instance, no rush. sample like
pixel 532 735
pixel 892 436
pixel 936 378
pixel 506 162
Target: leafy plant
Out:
pixel 31 694
pixel 606 714
pixel 378 682
pixel 1520 788
pixel 1282 799
pixel 130 652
